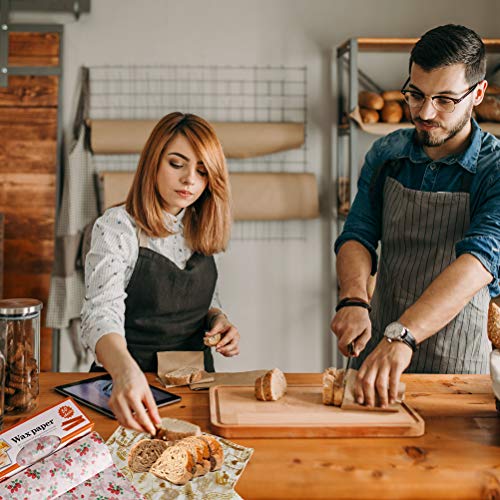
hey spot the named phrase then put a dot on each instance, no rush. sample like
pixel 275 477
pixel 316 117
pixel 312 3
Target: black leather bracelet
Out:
pixel 352 302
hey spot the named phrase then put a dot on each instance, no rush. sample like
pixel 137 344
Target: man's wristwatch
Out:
pixel 396 331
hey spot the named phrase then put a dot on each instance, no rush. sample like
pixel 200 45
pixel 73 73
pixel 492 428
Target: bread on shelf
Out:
pixel 392 112
pixel 369 115
pixel 370 100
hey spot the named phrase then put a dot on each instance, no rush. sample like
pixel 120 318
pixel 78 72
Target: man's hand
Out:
pixel 352 324
pixel 381 372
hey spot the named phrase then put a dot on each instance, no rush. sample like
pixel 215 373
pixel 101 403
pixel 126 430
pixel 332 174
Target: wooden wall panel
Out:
pixel 30 91
pixel 28 161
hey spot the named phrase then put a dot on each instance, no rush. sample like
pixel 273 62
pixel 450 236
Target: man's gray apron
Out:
pixel 166 307
pixel 419 233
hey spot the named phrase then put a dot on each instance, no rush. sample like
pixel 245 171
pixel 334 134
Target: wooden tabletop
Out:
pixel 458 457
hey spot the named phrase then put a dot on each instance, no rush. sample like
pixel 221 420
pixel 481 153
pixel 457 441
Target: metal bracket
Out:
pixel 4 42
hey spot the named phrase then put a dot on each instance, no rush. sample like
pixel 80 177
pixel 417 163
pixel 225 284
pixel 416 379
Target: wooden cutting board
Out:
pixel 234 412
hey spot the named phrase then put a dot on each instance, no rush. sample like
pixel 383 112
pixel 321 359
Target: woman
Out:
pixel 150 274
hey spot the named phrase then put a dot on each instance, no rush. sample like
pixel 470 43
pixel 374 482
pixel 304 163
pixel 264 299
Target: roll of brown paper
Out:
pixel 238 139
pixel 256 195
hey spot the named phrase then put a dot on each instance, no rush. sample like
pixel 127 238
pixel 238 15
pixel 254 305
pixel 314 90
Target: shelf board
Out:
pixel 387 128
pixel 406 44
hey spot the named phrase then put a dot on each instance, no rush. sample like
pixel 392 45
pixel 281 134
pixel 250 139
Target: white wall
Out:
pixel 280 293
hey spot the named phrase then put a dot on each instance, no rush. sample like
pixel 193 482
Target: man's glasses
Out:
pixel 445 104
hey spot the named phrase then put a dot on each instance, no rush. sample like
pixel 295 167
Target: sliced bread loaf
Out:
pixel 176 464
pixel 173 429
pixel 144 454
pixel 259 389
pixel 333 386
pixel 200 450
pixel 212 340
pixel 183 376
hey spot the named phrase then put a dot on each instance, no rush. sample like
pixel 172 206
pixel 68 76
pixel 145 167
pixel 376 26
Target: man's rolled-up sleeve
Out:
pixel 363 224
pixel 482 239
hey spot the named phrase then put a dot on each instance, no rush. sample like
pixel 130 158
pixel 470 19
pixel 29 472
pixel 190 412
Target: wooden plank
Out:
pixel 29 140
pixel 33 49
pixel 235 412
pixel 45 347
pixel 29 256
pixel 27 190
pixel 26 223
pixel 19 284
pixel 30 91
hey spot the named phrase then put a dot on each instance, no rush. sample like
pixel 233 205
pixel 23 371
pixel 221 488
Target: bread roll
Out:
pixel 369 115
pixel 212 340
pixel 183 376
pixel 144 454
pixel 489 109
pixel 176 464
pixel 370 100
pixel 493 90
pixel 271 386
pixel 392 95
pixel 494 325
pixel 173 429
pixel 392 112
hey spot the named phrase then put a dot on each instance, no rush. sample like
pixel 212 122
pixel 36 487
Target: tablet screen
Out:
pixel 95 392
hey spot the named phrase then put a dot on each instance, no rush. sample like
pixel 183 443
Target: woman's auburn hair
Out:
pixel 207 222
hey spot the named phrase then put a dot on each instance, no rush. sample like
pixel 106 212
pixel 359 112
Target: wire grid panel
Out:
pixel 217 93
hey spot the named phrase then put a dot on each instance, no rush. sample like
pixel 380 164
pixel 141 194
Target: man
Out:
pixel 431 195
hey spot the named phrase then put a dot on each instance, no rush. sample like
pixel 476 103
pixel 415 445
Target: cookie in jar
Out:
pixel 20 344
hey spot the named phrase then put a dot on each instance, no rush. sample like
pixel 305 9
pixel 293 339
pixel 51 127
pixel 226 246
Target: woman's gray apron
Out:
pixel 419 233
pixel 166 307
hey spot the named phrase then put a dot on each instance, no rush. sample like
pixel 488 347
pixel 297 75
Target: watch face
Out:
pixel 394 331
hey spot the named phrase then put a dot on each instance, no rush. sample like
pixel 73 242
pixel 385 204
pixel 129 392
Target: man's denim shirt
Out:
pixel 419 172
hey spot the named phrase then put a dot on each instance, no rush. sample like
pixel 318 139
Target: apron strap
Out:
pixel 143 239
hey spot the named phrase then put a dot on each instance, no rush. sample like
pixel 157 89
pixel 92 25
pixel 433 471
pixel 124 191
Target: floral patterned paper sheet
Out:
pixel 213 485
pixel 78 463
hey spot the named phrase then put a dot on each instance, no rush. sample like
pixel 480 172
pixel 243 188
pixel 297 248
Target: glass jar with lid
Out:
pixel 20 345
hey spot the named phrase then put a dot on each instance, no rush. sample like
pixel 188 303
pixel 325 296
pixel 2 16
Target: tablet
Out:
pixel 95 393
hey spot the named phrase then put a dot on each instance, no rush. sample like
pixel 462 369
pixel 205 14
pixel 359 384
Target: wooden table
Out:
pixel 458 457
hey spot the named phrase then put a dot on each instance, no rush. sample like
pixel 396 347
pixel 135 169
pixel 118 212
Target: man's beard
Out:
pixel 425 137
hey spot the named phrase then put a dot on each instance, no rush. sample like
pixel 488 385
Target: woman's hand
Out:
pixel 131 400
pixel 229 343
pixel 131 397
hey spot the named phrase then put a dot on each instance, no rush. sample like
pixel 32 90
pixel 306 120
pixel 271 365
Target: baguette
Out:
pixel 183 376
pixel 370 100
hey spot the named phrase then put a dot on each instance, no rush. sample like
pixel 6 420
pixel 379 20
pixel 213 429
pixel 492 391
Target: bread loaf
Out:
pixel 216 451
pixel 392 95
pixel 176 464
pixel 271 386
pixel 369 115
pixel 494 325
pixel 203 454
pixel 173 429
pixel 144 454
pixel 333 386
pixel 392 112
pixel 489 109
pixel 370 100
pixel 183 376
pixel 212 340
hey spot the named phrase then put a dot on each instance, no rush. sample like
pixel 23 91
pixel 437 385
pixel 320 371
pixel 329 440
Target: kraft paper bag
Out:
pixel 172 360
